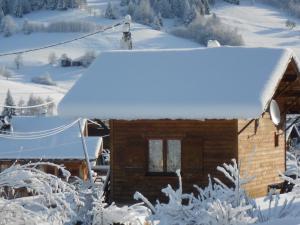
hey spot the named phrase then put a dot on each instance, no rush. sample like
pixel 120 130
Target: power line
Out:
pixel 27 107
pixel 37 136
pixel 61 43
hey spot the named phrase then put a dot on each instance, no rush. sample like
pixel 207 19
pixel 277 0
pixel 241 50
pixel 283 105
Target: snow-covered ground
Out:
pixel 260 25
pixel 36 63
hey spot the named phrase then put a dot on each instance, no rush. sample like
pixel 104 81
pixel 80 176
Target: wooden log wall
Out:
pixel 205 145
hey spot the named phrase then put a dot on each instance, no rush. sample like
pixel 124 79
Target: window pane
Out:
pixel 174 155
pixel 156 156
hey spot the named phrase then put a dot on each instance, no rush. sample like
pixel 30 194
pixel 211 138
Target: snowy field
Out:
pixel 259 24
pixel 36 64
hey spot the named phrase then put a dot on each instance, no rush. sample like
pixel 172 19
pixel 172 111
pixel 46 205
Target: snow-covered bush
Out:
pixel 204 29
pixel 8 26
pixel 44 79
pixel 215 204
pixel 71 26
pixel 112 214
pixel 55 201
pixel 52 58
pixel 87 58
pixel 31 26
pixel 290 24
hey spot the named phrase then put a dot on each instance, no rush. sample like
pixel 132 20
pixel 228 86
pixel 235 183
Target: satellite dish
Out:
pixel 275 112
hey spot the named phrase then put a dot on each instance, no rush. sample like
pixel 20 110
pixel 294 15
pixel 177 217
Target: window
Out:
pixel 164 155
pixel 156 163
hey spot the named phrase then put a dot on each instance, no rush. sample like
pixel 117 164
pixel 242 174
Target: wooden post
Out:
pixel 85 152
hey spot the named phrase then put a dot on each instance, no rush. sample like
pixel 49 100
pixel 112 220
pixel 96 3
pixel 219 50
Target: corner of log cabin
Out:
pixel 261 153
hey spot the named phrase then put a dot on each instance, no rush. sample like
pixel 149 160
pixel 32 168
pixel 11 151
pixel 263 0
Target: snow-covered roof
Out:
pixel 224 82
pixel 65 145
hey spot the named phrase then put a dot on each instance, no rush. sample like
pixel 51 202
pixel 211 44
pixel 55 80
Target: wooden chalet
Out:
pixel 190 109
pixel 64 148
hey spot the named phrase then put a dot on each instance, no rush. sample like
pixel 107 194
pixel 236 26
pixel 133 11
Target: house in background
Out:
pixel 189 109
pixel 64 148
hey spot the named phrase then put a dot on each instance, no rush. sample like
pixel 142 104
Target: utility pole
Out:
pixel 85 152
pixel 126 41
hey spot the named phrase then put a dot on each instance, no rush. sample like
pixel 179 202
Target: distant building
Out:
pixel 64 148
pixel 190 109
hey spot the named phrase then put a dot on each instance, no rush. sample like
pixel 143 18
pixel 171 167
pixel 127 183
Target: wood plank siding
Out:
pixel 205 145
pixel 261 153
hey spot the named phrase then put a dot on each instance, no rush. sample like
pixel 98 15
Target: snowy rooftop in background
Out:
pixel 224 82
pixel 65 145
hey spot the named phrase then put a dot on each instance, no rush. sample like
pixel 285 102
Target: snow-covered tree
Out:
pixel 21 111
pixel 34 101
pixel 18 61
pixel 44 79
pixel 144 12
pixel 51 106
pixel 110 11
pixel 290 24
pixel 5 72
pixel 52 58
pixel 8 26
pixel 237 2
pixel 9 101
pixel 18 8
pixel 61 5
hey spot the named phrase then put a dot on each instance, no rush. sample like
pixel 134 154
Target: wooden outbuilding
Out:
pixel 64 148
pixel 189 109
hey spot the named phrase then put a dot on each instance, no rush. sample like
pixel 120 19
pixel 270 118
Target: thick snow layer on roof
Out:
pixel 65 145
pixel 224 82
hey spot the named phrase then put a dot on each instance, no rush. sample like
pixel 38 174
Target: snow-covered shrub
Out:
pixel 8 26
pixel 55 201
pixel 52 58
pixel 31 26
pixel 112 214
pixel 290 24
pixel 213 205
pixel 87 58
pixel 44 79
pixel 71 26
pixel 204 29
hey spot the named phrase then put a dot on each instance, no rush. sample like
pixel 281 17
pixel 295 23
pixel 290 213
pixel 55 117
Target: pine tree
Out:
pixel 51 4
pixel 165 9
pixel 9 101
pixel 51 106
pixel 18 8
pixel 110 12
pixel 21 111
pixel 1 14
pixel 18 61
pixel 33 101
pixel 8 26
